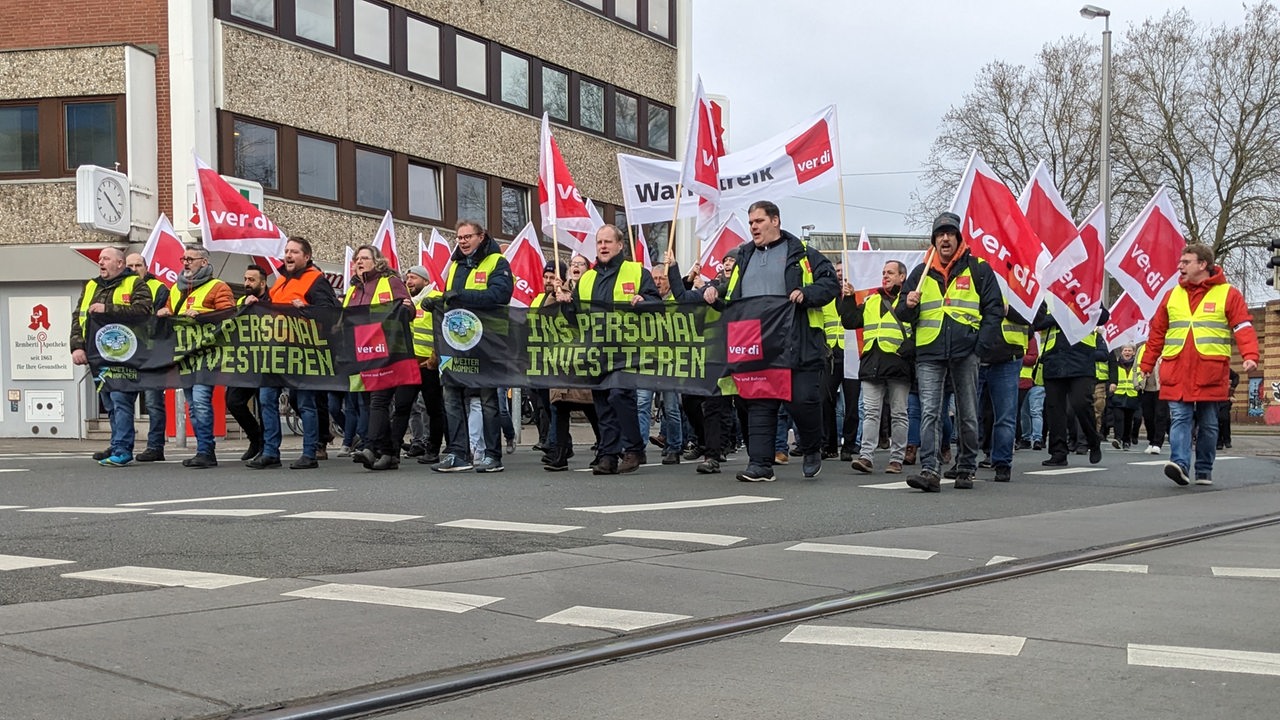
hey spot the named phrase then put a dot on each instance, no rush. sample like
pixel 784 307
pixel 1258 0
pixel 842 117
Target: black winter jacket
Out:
pixel 956 340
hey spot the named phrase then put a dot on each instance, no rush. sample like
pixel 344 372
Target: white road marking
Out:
pixel 1065 471
pixel 227 497
pixel 85 510
pixel 706 539
pixel 1246 572
pixel 371 517
pixel 11 507
pixel 997 559
pixel 398 597
pixel 611 618
pixel 907 639
pixel 1110 567
pixel 18 562
pixel 1153 463
pixel 901 485
pixel 863 550
pixel 5 470
pixel 512 526
pixel 164 577
pixel 219 512
pixel 678 504
pixel 1192 658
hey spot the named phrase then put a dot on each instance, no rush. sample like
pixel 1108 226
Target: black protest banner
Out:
pixel 256 345
pixel 681 347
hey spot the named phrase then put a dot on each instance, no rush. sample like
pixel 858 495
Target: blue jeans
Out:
pixel 355 415
pixel 913 419
pixel 672 419
pixel 269 404
pixel 931 376
pixel 1033 415
pixel 156 414
pixel 1001 380
pixel 455 413
pixel 504 415
pixel 120 412
pixel 780 433
pixel 1205 417
pixel 200 398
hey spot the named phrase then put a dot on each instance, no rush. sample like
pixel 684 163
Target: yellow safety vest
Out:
pixel 880 326
pixel 1091 340
pixel 831 326
pixel 626 285
pixel 1124 382
pixel 424 333
pixel 381 292
pixel 816 316
pixel 194 300
pixel 1212 333
pixel 120 298
pixel 478 278
pixel 1016 334
pixel 961 303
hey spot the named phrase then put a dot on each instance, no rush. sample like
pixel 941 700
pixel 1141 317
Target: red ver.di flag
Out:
pixel 558 198
pixel 701 171
pixel 731 235
pixel 229 222
pixel 163 252
pixel 1075 297
pixel 996 231
pixel 1145 259
pixel 1127 324
pixel 527 262
pixel 385 241
pixel 1051 220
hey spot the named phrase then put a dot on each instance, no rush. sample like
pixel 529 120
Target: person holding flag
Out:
pixel 198 292
pixel 157 414
pixel 1192 333
pixel 956 308
pixel 418 281
pixel 885 367
pixel 479 279
pixel 1070 372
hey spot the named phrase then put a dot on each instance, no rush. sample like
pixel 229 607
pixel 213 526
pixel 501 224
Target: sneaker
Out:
pixel 846 456
pixel 511 445
pixel 1115 444
pixel 862 465
pixel 365 457
pixel 1124 447
pixel 895 468
pixel 345 451
pixel 709 466
pixel 693 453
pixel 672 458
pixel 1055 461
pixel 1203 479
pixel 415 450
pixel 116 460
pixel 1095 454
pixel 952 472
pixel 152 455
pixel 304 462
pixel 262 462
pixel 386 462
pixel 430 458
pixel 755 473
pixel 1158 450
pixel 812 465
pixel 200 462
pixel 1151 450
pixel 1003 473
pixel 964 481
pixel 1022 445
pixel 781 458
pixel 985 463
pixel 795 452
pixel 452 463
pixel 1037 445
pixel 926 481
pixel 830 454
pixel 1176 473
pixel 102 455
pixel 489 465
pixel 251 452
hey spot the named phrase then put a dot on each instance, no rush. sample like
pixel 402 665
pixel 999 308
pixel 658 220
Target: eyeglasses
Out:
pixel 469 236
pixel 191 259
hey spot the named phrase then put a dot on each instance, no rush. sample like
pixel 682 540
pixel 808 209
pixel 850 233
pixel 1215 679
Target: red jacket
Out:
pixel 1192 377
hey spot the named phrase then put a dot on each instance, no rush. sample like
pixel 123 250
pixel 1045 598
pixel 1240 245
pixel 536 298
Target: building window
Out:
pixel 597 4
pixel 91 134
pixel 314 20
pixel 626 113
pixel 515 80
pixel 659 18
pixel 317 168
pixel 473 198
pixel 515 209
pixel 627 11
pixel 659 138
pixel 262 12
pixel 372 39
pixel 373 180
pixel 255 153
pixel 555 93
pixel 472 65
pixel 591 106
pixel 19 139
pixel 423 46
pixel 424 191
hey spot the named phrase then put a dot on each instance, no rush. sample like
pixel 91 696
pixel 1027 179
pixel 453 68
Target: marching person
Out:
pixel 1191 334
pixel 622 285
pixel 480 279
pixel 157 414
pixel 956 308
pixel 778 263
pixel 672 430
pixel 115 290
pixel 1155 412
pixel 301 284
pixel 374 283
pixel 1070 373
pixel 1124 400
pixel 998 380
pixel 238 398
pixel 197 292
pixel 418 282
pixel 884 369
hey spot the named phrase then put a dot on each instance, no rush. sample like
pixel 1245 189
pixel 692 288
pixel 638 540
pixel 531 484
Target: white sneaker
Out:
pixel 1203 481
pixel 1151 450
pixel 1158 450
pixel 344 451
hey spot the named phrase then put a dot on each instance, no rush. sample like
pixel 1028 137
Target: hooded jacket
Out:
pixel 1192 377
pixel 498 286
pixel 956 340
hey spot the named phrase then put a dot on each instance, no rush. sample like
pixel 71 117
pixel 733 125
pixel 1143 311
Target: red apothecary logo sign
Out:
pixel 39 318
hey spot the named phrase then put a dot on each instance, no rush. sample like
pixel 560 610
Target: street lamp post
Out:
pixel 1090 12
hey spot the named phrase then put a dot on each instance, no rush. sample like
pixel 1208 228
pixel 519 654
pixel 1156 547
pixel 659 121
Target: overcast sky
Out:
pixel 892 68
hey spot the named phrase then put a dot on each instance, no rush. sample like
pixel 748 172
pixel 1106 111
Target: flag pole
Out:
pixel 671 231
pixel 555 248
pixel 631 240
pixel 844 228
pixel 928 259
